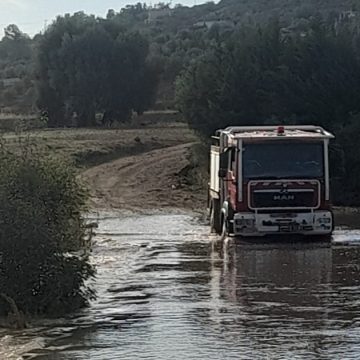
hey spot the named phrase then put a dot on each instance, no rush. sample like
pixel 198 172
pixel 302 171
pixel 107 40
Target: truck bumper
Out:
pixel 309 223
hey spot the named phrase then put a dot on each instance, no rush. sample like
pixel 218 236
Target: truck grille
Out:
pixel 284 194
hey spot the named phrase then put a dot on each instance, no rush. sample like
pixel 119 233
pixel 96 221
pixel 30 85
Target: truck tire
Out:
pixel 324 238
pixel 230 221
pixel 215 221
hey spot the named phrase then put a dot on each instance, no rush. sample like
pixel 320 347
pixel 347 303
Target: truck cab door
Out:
pixel 232 178
pixel 227 174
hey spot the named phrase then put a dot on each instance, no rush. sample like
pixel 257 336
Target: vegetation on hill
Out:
pixel 287 10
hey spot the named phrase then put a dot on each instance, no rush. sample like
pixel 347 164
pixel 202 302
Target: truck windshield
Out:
pixel 278 160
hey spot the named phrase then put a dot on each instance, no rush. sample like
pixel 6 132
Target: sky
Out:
pixel 32 15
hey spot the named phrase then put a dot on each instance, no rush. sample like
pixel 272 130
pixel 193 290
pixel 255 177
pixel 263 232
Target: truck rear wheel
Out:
pixel 324 238
pixel 215 221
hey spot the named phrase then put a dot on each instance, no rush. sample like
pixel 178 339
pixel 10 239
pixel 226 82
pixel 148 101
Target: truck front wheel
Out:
pixel 215 221
pixel 224 228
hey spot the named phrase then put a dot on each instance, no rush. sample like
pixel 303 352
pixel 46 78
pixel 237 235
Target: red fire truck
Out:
pixel 270 180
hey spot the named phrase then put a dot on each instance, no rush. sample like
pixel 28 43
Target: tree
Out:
pixel 12 32
pixel 15 45
pixel 88 65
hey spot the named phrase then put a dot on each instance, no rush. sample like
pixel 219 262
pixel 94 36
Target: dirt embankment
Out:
pixel 143 182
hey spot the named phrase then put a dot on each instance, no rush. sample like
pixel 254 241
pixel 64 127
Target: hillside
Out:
pixel 257 11
pixel 180 36
pixel 285 9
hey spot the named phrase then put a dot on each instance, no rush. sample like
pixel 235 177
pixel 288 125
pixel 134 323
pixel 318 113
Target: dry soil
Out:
pixel 145 182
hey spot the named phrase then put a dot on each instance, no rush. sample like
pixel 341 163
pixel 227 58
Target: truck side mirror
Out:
pixel 224 162
pixel 222 173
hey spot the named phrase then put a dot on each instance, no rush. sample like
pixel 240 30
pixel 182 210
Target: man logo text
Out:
pixel 284 197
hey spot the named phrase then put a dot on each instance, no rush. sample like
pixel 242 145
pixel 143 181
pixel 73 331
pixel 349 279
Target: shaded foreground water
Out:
pixel 165 292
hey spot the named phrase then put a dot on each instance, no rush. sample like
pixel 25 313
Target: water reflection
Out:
pixel 295 299
pixel 286 273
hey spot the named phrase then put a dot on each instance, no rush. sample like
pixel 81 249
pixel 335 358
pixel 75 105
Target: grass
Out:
pixel 14 122
pixel 89 147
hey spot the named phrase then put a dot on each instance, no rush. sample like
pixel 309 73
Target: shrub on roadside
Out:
pixel 196 173
pixel 345 164
pixel 42 234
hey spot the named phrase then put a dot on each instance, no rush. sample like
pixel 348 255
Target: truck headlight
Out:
pixel 324 220
pixel 245 222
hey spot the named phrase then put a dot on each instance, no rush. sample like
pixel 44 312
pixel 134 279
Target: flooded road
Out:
pixel 166 292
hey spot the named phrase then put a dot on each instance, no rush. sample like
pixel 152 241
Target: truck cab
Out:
pixel 270 180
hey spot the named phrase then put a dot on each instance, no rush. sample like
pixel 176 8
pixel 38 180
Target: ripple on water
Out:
pixel 164 292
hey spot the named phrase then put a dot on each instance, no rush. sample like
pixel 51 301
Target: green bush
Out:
pixel 345 164
pixel 196 173
pixel 43 265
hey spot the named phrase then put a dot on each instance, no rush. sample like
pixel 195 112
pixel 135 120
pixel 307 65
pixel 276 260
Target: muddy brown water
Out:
pixel 166 292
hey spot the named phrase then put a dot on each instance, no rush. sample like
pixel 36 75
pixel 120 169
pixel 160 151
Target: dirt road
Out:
pixel 145 181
